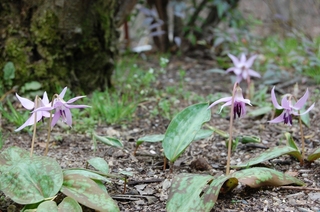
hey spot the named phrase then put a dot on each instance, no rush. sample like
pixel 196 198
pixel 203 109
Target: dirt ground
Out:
pixel 148 187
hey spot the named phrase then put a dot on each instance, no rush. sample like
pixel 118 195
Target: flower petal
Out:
pixel 243 59
pixel 310 108
pixel 55 118
pixel 285 103
pixel 26 103
pixel 234 59
pixel 75 99
pixel 226 104
pixel 299 104
pixel 63 92
pixel 30 121
pixel 224 99
pixel 278 119
pixel 76 106
pixel 253 73
pixel 250 61
pixel 274 99
pixel 45 99
pixel 45 108
pixel 68 116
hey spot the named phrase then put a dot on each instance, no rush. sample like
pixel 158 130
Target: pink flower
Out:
pixel 242 67
pixel 29 105
pixel 288 108
pixel 239 103
pixel 62 108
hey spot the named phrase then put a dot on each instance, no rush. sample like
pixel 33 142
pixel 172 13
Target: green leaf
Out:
pixel 150 138
pixel 183 129
pixel 9 71
pixel 314 156
pixel 249 139
pixel 108 140
pixel 258 177
pixel 260 111
pixel 87 192
pixel 34 85
pixel 100 164
pixel 86 173
pixel 48 206
pixel 195 192
pixel 290 141
pixel 270 154
pixel 202 134
pixel 29 180
pixel 69 205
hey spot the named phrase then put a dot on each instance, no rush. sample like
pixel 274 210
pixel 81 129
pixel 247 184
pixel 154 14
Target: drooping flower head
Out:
pixel 288 108
pixel 62 108
pixel 239 103
pixel 242 67
pixel 29 105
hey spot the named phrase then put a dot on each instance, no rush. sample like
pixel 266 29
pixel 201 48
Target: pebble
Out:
pixel 314 196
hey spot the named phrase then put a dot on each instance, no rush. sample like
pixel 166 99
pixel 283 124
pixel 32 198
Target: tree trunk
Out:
pixel 59 42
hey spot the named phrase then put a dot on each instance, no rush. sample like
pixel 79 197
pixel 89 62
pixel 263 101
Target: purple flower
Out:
pixel 288 108
pixel 29 105
pixel 239 103
pixel 242 67
pixel 62 108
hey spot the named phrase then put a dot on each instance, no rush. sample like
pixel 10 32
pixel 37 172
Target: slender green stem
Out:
pixel 230 128
pixel 49 126
pixel 34 127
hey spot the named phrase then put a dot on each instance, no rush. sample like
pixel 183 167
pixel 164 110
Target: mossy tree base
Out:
pixel 59 42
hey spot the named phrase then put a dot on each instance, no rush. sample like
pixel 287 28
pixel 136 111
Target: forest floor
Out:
pixel 148 188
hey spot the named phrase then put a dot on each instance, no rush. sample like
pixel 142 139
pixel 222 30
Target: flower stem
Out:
pixel 230 128
pixel 49 126
pixel 34 127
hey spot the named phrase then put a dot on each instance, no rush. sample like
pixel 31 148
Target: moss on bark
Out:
pixel 59 43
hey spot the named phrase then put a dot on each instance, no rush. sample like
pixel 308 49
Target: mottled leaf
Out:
pixel 314 156
pixel 258 177
pixel 69 205
pixel 100 164
pixel 249 139
pixel 29 180
pixel 270 154
pixel 195 192
pixel 48 206
pixel 87 173
pixel 87 192
pixel 108 140
pixel 183 129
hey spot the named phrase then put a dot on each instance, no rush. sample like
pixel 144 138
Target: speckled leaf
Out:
pixel 86 173
pixel 12 155
pixel 108 140
pixel 290 141
pixel 87 192
pixel 258 177
pixel 195 192
pixel 314 156
pixel 183 129
pixel 48 206
pixel 100 164
pixel 69 205
pixel 270 154
pixel 29 180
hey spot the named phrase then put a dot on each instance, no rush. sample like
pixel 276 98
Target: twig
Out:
pixel 299 188
pixel 132 183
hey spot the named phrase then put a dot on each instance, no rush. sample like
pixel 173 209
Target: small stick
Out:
pixel 125 185
pixel 132 183
pixel 135 150
pixel 164 163
pixel 299 188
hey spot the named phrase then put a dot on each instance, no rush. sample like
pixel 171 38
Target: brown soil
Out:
pixel 148 188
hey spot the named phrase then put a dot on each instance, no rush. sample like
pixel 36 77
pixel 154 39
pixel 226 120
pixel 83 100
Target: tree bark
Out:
pixel 59 42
